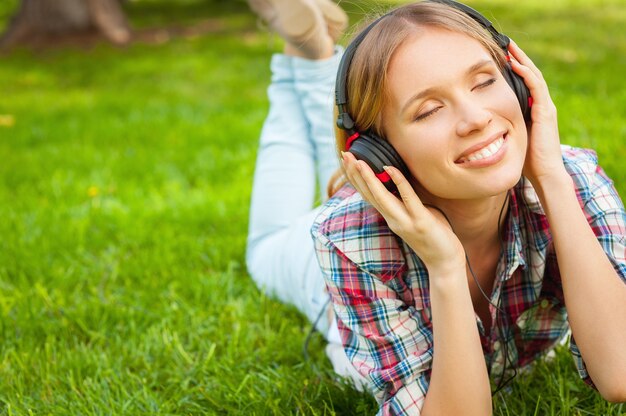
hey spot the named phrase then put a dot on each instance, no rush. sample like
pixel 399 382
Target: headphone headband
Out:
pixel 341 94
pixel 375 150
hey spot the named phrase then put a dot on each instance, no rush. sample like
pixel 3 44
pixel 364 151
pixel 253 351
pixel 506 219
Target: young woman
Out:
pixel 496 242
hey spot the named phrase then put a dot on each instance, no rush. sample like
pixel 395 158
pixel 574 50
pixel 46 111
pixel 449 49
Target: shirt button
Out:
pixel 545 303
pixel 496 345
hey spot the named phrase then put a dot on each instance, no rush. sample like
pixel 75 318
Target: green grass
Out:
pixel 124 189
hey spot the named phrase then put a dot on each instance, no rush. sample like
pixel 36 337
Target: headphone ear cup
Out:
pixel 521 90
pixel 378 153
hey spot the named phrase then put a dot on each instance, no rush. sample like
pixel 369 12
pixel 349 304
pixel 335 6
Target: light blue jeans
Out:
pixel 296 152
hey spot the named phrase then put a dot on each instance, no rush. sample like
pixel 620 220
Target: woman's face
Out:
pixel 453 118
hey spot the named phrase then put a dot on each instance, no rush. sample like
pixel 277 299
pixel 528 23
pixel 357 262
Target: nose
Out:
pixel 473 117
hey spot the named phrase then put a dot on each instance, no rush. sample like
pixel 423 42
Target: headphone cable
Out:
pixel 503 338
pixel 307 340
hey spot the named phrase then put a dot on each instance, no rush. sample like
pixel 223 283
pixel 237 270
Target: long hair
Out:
pixel 368 74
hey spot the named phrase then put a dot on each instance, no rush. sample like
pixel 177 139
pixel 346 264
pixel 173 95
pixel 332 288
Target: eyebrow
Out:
pixel 427 91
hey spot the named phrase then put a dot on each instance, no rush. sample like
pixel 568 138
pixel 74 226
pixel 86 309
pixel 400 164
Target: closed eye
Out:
pixel 486 83
pixel 482 85
pixel 426 115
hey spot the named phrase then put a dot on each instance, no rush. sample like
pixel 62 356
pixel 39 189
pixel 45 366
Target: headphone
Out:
pixel 375 150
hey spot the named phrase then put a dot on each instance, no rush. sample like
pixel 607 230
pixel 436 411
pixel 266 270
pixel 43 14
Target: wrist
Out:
pixel 447 276
pixel 553 184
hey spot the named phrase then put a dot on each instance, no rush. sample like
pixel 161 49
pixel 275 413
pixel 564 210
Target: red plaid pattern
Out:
pixel 380 288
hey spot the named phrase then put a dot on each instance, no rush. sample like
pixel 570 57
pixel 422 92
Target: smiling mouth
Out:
pixel 485 152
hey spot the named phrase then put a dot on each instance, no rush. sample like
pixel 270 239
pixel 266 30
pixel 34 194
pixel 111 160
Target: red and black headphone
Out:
pixel 375 150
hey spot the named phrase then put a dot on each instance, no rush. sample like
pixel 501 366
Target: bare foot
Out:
pixel 301 23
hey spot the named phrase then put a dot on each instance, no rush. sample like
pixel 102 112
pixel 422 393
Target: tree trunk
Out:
pixel 45 21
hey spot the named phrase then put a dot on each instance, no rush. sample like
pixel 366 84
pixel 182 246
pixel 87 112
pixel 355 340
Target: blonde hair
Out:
pixel 368 73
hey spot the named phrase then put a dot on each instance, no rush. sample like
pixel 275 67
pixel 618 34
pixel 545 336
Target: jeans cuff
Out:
pixel 314 70
pixel 281 66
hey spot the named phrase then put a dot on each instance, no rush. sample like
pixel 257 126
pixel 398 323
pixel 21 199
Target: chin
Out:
pixel 499 180
pixel 496 185
pixel 500 187
pixel 500 183
pixel 469 185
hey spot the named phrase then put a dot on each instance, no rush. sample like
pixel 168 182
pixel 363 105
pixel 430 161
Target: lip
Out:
pixel 495 158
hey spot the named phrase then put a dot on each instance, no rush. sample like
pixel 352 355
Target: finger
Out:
pixel 353 172
pixel 537 86
pixel 384 201
pixel 387 203
pixel 524 59
pixel 390 207
pixel 411 201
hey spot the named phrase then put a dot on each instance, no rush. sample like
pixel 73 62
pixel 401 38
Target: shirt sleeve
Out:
pixel 387 340
pixel 605 214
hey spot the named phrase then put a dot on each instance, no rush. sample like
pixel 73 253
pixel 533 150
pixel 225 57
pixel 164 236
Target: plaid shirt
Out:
pixel 380 288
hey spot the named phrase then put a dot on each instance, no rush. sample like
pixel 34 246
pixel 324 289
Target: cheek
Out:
pixel 426 149
pixel 512 111
pixel 424 154
pixel 506 101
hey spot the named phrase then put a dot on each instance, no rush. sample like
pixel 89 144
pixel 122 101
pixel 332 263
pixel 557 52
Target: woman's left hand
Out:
pixel 543 157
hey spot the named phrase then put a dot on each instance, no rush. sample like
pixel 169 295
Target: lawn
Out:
pixel 125 177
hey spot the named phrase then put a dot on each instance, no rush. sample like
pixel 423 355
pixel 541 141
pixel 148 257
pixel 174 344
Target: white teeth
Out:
pixel 485 151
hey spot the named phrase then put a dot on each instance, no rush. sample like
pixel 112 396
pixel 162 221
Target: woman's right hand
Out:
pixel 424 229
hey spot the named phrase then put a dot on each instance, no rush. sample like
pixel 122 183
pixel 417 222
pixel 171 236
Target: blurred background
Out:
pixel 128 134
